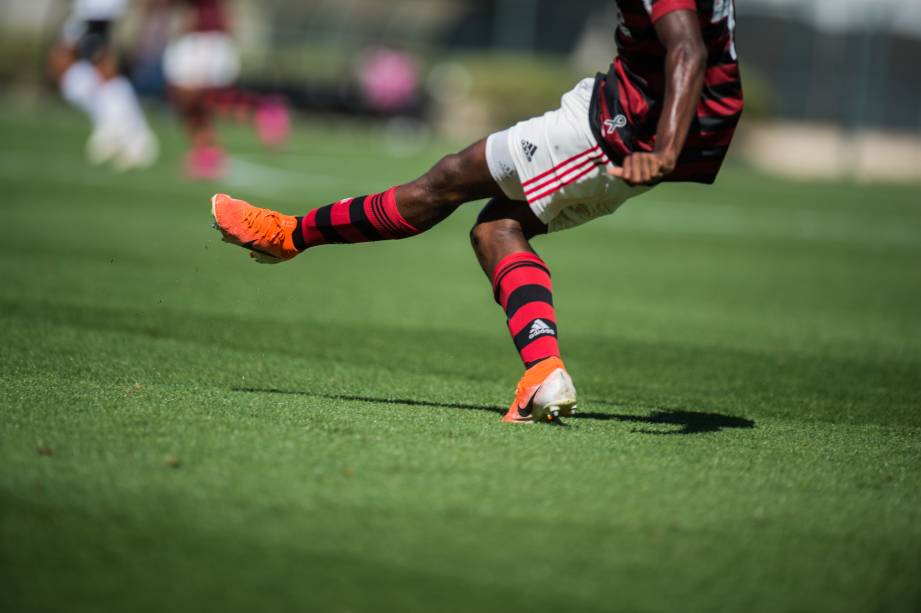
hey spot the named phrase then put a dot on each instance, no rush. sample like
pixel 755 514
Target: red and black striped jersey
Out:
pixel 627 101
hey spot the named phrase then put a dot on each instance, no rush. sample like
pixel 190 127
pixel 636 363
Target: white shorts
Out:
pixel 201 60
pixel 76 28
pixel 554 163
pixel 98 10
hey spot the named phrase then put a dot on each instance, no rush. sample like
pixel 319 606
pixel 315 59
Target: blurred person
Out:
pixel 85 67
pixel 665 111
pixel 201 67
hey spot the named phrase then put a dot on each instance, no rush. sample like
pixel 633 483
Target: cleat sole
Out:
pixel 263 258
pixel 553 413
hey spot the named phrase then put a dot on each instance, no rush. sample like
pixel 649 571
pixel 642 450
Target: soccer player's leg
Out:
pixel 397 213
pixel 522 287
pixel 554 177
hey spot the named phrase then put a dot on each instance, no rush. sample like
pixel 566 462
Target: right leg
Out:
pixel 399 212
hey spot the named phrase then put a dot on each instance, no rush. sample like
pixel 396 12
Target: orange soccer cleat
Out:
pixel 266 233
pixel 544 393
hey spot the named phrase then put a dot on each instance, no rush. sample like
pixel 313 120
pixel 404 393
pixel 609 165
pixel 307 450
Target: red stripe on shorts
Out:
pixel 593 166
pixel 562 176
pixel 561 165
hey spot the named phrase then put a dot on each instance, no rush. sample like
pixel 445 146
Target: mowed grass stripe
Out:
pixel 268 355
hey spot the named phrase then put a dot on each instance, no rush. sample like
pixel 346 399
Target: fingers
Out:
pixel 645 169
pixel 630 169
pixel 639 169
pixel 651 168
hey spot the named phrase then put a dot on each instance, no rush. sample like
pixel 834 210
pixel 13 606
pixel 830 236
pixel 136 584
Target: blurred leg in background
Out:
pixel 85 67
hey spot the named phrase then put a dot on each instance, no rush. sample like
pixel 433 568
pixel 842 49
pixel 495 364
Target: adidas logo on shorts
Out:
pixel 529 149
pixel 540 328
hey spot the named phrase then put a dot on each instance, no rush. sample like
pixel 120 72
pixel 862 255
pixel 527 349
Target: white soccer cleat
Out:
pixel 545 393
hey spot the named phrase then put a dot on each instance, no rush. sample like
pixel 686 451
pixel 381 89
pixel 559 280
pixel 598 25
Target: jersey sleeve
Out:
pixel 660 8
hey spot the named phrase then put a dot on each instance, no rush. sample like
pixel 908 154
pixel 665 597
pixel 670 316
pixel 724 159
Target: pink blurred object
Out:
pixel 389 79
pixel 273 123
pixel 205 163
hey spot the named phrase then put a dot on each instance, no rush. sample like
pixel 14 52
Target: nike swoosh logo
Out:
pixel 525 411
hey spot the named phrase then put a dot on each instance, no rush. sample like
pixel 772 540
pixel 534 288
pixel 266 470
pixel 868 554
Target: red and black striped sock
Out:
pixel 353 220
pixel 521 284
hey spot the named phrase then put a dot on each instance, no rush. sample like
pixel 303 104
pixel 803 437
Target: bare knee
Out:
pixel 503 227
pixel 487 235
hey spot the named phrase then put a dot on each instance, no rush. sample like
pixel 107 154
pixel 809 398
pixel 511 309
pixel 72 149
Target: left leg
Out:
pixel 503 227
pixel 521 285
pixel 520 278
pixel 555 176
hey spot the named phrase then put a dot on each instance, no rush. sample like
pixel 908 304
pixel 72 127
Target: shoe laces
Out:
pixel 265 224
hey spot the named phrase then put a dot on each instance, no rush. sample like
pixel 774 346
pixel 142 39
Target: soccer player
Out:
pixel 201 68
pixel 665 111
pixel 86 69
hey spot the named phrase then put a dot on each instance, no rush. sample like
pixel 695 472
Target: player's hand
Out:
pixel 644 168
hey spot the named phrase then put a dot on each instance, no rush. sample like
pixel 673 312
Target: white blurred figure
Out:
pixel 201 66
pixel 86 70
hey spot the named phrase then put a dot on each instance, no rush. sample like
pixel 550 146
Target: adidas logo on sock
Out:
pixel 540 328
pixel 529 149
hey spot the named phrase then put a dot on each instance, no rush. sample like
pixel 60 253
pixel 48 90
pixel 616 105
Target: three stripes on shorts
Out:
pixel 565 173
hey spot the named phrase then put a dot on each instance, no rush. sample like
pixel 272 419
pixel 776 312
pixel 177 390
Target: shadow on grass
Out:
pixel 687 422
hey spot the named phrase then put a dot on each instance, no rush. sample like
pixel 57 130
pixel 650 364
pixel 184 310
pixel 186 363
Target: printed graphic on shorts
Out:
pixel 612 125
pixel 529 149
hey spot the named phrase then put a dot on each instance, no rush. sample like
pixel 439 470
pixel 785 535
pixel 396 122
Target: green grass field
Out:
pixel 183 430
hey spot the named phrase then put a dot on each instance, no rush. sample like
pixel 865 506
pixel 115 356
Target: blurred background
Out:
pixel 831 85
